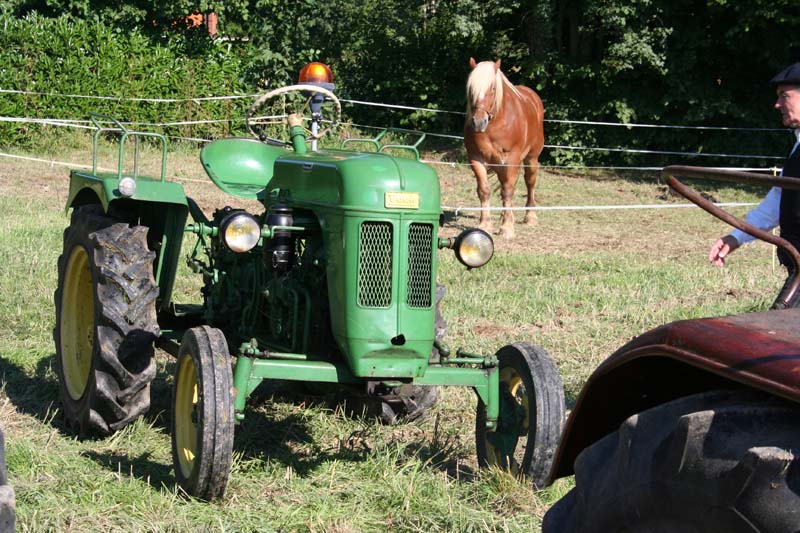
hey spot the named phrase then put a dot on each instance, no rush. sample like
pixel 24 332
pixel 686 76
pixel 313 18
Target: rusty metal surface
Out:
pixel 757 350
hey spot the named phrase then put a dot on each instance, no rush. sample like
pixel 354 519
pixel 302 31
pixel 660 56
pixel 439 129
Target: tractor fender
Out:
pixel 162 206
pixel 87 188
pixel 755 350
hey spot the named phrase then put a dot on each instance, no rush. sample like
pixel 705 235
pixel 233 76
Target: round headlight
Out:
pixel 240 232
pixel 127 186
pixel 474 248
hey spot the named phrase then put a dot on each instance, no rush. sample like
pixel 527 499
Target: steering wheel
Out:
pixel 304 89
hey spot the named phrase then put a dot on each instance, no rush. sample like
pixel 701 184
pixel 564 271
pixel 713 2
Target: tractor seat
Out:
pixel 240 166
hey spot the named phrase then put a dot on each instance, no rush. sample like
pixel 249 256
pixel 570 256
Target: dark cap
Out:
pixel 788 76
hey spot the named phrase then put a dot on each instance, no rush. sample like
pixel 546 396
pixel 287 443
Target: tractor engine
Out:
pixel 293 311
pixel 275 292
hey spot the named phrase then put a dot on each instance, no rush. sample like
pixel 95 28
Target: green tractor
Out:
pixel 332 282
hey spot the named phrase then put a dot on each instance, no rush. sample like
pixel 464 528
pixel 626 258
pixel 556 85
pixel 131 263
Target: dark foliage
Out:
pixel 676 62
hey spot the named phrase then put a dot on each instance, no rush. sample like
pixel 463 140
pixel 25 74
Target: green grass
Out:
pixel 578 283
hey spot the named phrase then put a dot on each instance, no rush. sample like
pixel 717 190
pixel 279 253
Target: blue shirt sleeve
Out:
pixel 766 216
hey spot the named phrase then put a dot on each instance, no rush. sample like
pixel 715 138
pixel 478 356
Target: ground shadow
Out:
pixel 570 397
pixel 35 395
pixel 458 219
pixel 443 452
pixel 263 435
pixel 141 467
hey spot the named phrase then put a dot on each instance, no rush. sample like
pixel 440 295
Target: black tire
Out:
pixel 390 405
pixel 105 323
pixel 531 415
pixel 410 402
pixel 3 473
pixel 718 461
pixel 406 404
pixel 202 414
pixel 7 500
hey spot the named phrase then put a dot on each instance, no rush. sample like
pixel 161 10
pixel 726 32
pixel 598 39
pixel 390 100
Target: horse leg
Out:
pixel 508 177
pixel 484 192
pixel 531 171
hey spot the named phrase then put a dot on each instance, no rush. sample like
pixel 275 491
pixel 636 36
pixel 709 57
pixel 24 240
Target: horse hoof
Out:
pixel 506 233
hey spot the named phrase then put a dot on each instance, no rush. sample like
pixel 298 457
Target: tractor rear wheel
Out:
pixel 531 414
pixel 717 461
pixel 202 414
pixel 105 322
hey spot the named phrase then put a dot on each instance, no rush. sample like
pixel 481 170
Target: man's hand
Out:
pixel 721 249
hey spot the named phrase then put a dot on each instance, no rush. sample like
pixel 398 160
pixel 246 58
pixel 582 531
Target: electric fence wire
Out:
pixel 75 123
pixel 83 124
pixel 455 209
pixel 199 99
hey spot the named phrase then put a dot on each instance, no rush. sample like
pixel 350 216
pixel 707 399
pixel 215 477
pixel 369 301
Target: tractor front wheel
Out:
pixel 531 415
pixel 202 414
pixel 105 322
pixel 717 461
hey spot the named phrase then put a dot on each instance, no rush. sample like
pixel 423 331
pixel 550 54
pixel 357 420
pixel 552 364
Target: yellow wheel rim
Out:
pixel 517 388
pixel 185 414
pixel 77 323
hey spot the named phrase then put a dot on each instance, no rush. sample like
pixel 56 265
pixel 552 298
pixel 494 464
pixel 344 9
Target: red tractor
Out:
pixel 695 425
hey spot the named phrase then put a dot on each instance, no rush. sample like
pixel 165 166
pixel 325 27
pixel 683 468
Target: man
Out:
pixel 779 207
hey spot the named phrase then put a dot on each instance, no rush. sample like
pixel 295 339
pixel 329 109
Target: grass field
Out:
pixel 579 283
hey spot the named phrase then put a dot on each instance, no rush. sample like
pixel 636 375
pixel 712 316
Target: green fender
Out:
pixel 162 206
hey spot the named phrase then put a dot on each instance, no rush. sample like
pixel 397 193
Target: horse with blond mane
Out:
pixel 504 127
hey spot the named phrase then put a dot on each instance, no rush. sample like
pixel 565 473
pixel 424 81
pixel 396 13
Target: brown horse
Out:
pixel 504 127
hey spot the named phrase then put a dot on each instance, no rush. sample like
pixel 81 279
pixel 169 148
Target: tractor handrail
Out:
pixel 124 134
pixel 376 141
pixel 790 290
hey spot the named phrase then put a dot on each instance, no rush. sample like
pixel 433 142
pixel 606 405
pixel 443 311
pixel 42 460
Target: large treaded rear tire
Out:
pixel 719 461
pixel 105 322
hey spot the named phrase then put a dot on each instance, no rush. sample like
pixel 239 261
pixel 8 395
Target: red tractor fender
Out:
pixel 756 350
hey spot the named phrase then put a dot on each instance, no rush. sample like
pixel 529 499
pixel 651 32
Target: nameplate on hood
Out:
pixel 401 200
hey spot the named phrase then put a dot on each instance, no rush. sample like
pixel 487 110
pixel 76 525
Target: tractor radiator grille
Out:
pixel 420 237
pixel 375 264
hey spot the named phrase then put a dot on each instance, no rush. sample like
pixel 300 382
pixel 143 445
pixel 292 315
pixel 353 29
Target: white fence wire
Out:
pixel 85 124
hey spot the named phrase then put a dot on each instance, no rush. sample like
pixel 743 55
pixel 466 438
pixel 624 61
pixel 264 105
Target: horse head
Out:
pixel 484 93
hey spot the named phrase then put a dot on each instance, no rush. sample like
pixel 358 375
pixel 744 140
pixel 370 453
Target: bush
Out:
pixel 69 56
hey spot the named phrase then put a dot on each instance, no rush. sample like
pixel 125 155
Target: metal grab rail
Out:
pixel 379 147
pixel 124 134
pixel 790 290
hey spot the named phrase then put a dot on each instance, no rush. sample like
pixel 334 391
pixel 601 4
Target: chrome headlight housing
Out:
pixel 474 248
pixel 127 186
pixel 240 231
